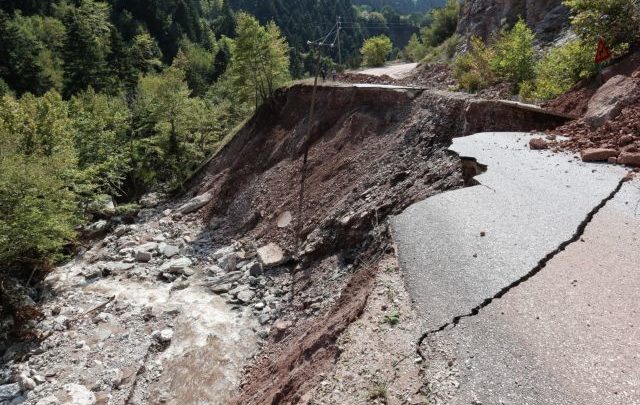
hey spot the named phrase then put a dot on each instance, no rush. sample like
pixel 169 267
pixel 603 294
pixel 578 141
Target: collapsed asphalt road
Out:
pixel 526 282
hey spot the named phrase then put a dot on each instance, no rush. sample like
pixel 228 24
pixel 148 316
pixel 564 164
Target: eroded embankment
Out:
pixel 373 152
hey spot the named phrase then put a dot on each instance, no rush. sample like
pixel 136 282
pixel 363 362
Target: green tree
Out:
pixel 20 58
pixel 443 24
pixel 87 47
pixel 172 132
pixel 37 208
pixel 375 50
pixel 617 21
pixel 101 132
pixel 260 59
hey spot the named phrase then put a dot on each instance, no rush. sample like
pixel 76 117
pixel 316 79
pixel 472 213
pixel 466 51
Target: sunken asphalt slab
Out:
pixel 570 334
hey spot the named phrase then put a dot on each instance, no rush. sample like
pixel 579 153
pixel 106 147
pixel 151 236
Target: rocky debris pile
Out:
pixel 431 76
pixel 119 315
pixel 616 141
pixel 359 78
pixel 610 128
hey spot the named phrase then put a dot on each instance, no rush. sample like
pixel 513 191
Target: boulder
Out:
pixel 142 256
pixel 629 158
pixel 598 154
pixel 271 255
pixel 255 268
pixel 245 296
pixel 150 200
pixel 170 250
pixel 224 279
pixel 223 251
pixel 195 203
pixel 9 391
pixel 619 92
pixel 102 205
pixel 228 262
pixel 98 227
pixel 177 266
pixel 147 247
pixel 116 267
pixel 79 395
pixel 538 144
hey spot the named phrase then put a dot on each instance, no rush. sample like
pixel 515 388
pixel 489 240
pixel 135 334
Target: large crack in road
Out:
pixel 539 267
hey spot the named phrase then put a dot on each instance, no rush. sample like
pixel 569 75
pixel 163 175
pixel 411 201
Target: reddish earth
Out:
pixel 622 134
pixel 372 153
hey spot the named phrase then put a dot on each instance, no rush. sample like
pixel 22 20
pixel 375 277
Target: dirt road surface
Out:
pixel 396 71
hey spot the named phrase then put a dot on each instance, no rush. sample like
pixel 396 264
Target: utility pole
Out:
pixel 306 144
pixel 339 48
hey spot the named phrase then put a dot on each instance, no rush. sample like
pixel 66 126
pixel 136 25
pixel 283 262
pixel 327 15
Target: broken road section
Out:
pixel 569 335
pixel 463 247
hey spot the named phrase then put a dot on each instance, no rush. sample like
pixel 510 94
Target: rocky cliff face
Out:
pixel 485 17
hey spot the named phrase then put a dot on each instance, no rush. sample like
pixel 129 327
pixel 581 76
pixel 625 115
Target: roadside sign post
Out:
pixel 603 54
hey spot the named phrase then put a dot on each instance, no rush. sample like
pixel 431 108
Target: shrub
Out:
pixel 560 69
pixel 443 52
pixel 473 68
pixel 616 21
pixel 375 50
pixel 513 58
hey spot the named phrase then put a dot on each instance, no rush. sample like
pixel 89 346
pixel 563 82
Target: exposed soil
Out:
pixel 378 363
pixel 575 101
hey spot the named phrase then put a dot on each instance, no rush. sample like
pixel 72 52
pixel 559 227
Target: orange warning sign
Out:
pixel 603 53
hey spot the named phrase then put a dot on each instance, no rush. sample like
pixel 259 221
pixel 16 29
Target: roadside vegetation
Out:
pixel 511 55
pixel 375 50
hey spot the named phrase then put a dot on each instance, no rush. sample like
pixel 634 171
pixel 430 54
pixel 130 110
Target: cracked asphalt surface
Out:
pixel 569 334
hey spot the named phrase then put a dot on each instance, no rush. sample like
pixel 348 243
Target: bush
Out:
pixel 510 58
pixel 473 68
pixel 375 50
pixel 443 52
pixel 616 21
pixel 513 58
pixel 560 69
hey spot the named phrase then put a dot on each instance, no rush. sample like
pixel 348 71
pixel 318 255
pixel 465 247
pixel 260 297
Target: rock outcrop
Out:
pixel 486 17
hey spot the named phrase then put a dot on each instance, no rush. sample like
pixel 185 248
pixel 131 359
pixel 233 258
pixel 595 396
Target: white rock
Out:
pixel 246 296
pixel 50 400
pixel 218 254
pixel 163 336
pixel 147 247
pixel 27 384
pixel 79 395
pixel 177 265
pixel 170 251
pixel 195 203
pixel 271 255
